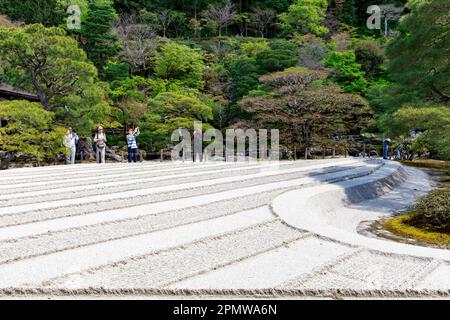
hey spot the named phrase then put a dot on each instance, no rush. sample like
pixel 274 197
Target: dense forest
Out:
pixel 310 68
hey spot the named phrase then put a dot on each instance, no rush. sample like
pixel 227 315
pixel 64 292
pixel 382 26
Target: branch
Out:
pixel 443 96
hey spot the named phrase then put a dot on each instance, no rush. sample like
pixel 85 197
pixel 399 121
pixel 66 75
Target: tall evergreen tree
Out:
pixel 32 11
pixel 49 63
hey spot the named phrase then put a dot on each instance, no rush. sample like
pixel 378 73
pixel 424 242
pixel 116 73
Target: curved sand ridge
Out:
pixel 212 229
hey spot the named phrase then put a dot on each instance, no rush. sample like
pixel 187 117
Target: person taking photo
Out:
pixel 132 144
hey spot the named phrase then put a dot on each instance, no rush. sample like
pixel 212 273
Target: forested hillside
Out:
pixel 311 68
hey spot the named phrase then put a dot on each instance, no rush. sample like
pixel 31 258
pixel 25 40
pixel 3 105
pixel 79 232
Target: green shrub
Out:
pixel 434 210
pixel 346 72
pixel 116 71
pixel 401 226
pixel 30 131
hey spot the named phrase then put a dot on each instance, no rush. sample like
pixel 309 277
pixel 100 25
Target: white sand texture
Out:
pixel 158 230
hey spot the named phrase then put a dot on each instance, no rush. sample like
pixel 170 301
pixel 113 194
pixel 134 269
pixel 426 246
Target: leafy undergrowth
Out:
pixel 399 226
pixel 433 212
pixel 429 222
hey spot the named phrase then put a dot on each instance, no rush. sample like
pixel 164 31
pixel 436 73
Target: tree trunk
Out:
pixel 45 101
pixel 443 96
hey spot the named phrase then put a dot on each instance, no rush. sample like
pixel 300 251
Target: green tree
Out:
pixel 259 59
pixel 419 55
pixel 136 87
pixel 196 26
pixel 99 40
pixel 129 5
pixel 180 22
pixel 129 97
pixel 244 76
pixel 63 5
pixel 370 56
pixel 180 64
pixel 32 11
pixel 432 121
pixel 346 72
pixel 281 55
pixel 305 16
pixel 172 105
pixel 252 48
pixel 117 71
pixel 354 12
pixel 278 6
pixel 170 111
pixel 49 63
pixel 30 131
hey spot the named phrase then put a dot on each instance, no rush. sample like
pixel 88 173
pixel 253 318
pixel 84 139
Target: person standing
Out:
pixel 100 144
pixel 386 144
pixel 70 142
pixel 197 137
pixel 132 144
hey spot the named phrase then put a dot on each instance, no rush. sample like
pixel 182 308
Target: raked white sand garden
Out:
pixel 213 229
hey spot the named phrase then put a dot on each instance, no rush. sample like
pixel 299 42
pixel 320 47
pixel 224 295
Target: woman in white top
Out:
pixel 70 142
pixel 100 143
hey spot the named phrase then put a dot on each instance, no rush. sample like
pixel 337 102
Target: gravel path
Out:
pixel 162 229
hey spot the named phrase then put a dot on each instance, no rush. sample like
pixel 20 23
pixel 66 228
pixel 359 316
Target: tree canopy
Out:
pixel 311 68
pixel 419 55
pixel 49 63
pixel 180 64
pixel 431 123
pixel 30 131
pixel 98 37
pixel 305 16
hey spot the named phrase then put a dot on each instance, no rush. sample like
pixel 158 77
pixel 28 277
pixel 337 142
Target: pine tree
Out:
pixel 32 11
pixel 419 55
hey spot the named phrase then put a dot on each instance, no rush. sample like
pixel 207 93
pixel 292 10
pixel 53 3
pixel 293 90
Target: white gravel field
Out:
pixel 162 230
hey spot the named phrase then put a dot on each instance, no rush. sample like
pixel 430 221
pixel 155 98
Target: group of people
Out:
pixel 71 141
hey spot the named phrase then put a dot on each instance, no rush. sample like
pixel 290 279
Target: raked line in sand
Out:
pixel 211 229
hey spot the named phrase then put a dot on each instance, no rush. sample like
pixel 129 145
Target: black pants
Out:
pixel 132 155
